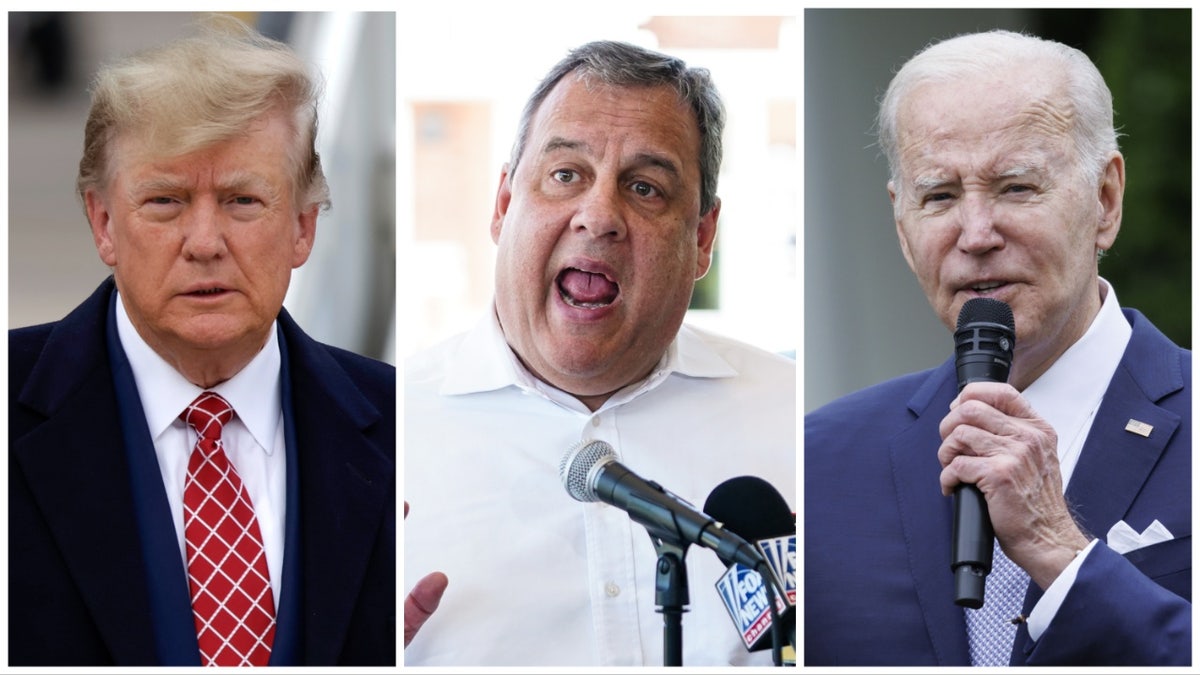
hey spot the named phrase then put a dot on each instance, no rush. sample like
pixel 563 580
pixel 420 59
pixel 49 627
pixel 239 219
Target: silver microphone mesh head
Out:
pixel 579 464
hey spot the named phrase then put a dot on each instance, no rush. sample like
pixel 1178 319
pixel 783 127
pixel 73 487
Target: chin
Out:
pixel 211 335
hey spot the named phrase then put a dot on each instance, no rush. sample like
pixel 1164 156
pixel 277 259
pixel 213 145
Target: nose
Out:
pixel 977 225
pixel 203 231
pixel 599 212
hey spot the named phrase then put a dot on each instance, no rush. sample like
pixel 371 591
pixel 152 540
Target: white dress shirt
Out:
pixel 253 439
pixel 537 578
pixel 1067 396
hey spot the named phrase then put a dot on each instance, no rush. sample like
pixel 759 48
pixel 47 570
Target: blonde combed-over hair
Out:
pixel 190 94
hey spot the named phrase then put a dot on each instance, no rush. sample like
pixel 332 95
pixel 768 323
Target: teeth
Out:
pixel 584 305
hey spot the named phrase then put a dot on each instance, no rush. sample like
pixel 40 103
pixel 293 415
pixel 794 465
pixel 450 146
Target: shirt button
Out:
pixel 612 590
pixel 595 421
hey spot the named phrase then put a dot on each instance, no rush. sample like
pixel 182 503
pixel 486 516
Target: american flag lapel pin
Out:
pixel 1138 427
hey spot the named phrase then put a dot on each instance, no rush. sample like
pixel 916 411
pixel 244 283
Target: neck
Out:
pixel 208 367
pixel 1030 364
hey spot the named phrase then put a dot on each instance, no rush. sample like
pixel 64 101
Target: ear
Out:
pixel 706 237
pixel 1111 196
pixel 892 196
pixel 306 235
pixel 503 197
pixel 100 220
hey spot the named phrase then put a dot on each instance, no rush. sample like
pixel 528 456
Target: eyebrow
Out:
pixel 1019 170
pixel 640 159
pixel 158 184
pixel 245 180
pixel 233 181
pixel 923 183
pixel 560 143
pixel 929 183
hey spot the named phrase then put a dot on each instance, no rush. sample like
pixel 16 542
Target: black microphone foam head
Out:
pixel 984 341
pixel 578 466
pixel 751 508
pixel 985 310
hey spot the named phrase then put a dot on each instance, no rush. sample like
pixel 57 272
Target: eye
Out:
pixel 160 208
pixel 1017 189
pixel 243 200
pixel 935 197
pixel 565 175
pixel 644 189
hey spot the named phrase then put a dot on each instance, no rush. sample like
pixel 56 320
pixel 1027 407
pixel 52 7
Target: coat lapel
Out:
pixel 346 484
pixel 927 516
pixel 75 466
pixel 1115 462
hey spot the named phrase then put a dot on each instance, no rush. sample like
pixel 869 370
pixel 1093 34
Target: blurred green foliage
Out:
pixel 1145 56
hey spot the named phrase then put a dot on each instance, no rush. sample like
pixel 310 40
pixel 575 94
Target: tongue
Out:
pixel 587 287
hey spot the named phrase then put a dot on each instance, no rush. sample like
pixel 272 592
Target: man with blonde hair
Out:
pixel 192 479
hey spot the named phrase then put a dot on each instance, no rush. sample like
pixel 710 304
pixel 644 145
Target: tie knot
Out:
pixel 207 415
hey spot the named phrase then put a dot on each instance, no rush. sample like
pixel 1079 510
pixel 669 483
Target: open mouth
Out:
pixel 985 288
pixel 586 290
pixel 207 292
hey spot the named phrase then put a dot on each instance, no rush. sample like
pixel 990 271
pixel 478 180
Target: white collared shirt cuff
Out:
pixel 1047 607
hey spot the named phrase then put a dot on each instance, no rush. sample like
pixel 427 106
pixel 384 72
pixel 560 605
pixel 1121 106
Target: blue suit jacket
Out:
pixel 877 581
pixel 81 555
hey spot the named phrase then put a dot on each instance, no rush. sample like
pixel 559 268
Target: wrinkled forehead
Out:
pixel 597 117
pixel 998 113
pixel 149 144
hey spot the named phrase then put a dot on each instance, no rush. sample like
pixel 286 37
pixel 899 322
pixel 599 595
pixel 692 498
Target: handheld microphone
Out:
pixel 754 509
pixel 590 472
pixel 983 352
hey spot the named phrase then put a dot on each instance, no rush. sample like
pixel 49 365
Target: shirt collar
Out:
pixel 485 362
pixel 1070 390
pixel 253 391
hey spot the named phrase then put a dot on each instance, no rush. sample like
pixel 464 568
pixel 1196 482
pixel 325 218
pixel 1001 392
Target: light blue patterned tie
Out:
pixel 990 630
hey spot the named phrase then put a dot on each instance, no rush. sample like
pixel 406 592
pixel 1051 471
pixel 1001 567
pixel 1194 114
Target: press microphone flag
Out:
pixel 780 554
pixel 745 598
pixel 984 340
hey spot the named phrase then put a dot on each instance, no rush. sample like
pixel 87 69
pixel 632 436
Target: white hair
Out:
pixel 1087 96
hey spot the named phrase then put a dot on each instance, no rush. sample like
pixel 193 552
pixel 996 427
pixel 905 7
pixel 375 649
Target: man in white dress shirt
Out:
pixel 604 218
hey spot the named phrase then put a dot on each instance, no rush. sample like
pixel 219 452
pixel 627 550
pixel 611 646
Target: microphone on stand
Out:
pixel 590 472
pixel 984 340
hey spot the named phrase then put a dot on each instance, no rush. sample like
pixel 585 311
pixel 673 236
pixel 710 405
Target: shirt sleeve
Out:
pixel 1047 607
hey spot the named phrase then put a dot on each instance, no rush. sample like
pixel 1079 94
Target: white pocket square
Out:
pixel 1122 538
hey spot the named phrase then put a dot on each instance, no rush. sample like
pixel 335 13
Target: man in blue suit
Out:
pixel 1006 183
pixel 202 186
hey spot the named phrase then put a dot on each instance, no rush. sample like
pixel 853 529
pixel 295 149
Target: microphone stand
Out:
pixel 776 624
pixel 671 596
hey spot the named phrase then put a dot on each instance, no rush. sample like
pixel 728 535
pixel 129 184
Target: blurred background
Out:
pixel 457 123
pixel 344 295
pixel 865 317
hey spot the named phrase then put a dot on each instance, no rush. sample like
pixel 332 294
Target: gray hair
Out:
pixel 192 93
pixel 624 65
pixel 1093 133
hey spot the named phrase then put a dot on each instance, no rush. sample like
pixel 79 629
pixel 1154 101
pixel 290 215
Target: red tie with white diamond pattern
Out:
pixel 232 602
